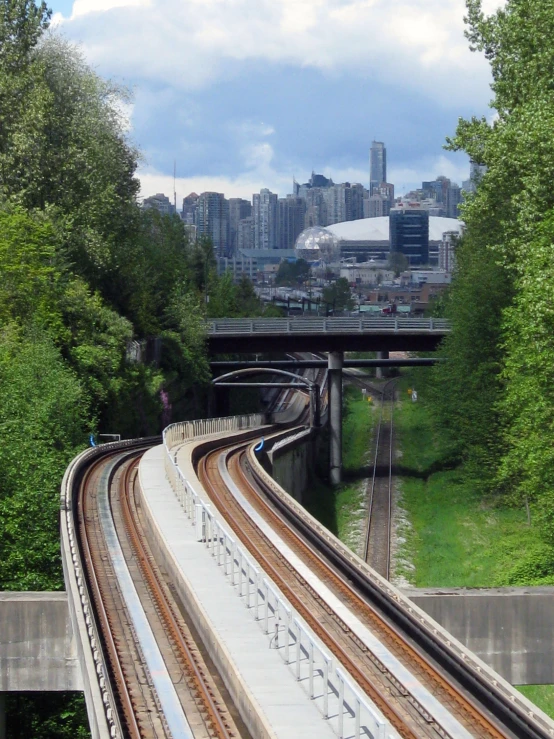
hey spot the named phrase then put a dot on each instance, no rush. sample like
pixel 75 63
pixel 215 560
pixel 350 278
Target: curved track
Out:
pixel 398 704
pixel 467 696
pixel 168 694
pixel 442 696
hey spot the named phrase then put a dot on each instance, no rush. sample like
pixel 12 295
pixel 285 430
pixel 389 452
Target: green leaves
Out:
pixel 494 398
pixel 21 26
pixel 338 295
pixel 43 409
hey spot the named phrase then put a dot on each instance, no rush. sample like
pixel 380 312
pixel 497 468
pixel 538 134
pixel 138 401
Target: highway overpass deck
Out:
pixel 382 333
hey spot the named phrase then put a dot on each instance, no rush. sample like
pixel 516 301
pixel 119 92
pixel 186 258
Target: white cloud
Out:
pixel 418 44
pixel 84 7
pixel 242 186
pixel 410 178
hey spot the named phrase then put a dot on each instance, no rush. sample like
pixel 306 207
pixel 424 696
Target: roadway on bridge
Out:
pixel 386 333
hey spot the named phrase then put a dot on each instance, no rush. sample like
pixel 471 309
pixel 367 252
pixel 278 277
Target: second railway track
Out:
pixel 377 541
pixel 397 702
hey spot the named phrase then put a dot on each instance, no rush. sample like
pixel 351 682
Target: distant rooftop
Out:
pixel 377 229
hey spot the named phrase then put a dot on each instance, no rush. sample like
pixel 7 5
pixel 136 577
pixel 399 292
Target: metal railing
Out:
pixel 311 325
pixel 338 696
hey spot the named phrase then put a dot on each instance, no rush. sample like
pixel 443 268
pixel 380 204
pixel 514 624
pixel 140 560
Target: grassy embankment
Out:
pixel 453 538
pixel 342 510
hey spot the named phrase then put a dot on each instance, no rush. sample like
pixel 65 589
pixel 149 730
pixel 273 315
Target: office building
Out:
pixel 409 233
pixel 291 220
pixel 159 202
pixel 265 211
pixel 245 233
pixel 476 172
pixel 377 165
pixel 212 219
pixel 238 210
pixel 190 204
pixel 447 251
pixel 453 200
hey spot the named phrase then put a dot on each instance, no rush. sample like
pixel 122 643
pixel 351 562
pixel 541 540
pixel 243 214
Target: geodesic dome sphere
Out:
pixel 316 243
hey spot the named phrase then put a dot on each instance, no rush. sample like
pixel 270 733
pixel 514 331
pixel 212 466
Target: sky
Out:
pixel 245 94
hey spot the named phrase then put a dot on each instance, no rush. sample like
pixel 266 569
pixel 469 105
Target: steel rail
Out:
pixel 419 637
pixel 168 613
pixel 122 692
pixel 393 636
pixel 371 523
pixel 244 528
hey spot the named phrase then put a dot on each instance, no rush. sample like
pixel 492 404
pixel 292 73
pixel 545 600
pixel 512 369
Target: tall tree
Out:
pixel 500 303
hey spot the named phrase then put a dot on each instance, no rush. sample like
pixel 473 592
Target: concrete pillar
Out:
pixel 381 372
pixel 335 417
pixel 2 716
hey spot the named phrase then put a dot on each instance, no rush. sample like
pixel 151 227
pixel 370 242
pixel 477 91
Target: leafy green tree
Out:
pixel 339 295
pixel 43 411
pixel 292 273
pixel 46 716
pixel 397 262
pixel 467 388
pixel 501 301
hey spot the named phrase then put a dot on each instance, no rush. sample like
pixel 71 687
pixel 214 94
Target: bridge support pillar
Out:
pixel 335 417
pixel 381 372
pixel 2 716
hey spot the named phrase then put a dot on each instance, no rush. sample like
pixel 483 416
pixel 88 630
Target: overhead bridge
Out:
pixel 386 333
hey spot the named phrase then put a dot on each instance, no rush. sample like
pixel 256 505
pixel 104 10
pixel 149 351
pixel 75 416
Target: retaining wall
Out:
pixel 511 629
pixel 37 648
pixel 292 462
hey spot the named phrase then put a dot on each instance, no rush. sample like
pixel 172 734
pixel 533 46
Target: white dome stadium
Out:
pixel 377 229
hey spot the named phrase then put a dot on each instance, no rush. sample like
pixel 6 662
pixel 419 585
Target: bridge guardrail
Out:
pixel 235 326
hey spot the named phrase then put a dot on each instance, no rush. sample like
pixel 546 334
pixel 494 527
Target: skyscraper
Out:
pixel 409 233
pixel 377 165
pixel 291 220
pixel 238 209
pixel 212 219
pixel 266 219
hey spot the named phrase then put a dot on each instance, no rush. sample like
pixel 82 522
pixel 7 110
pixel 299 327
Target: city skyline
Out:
pixel 270 223
pixel 244 100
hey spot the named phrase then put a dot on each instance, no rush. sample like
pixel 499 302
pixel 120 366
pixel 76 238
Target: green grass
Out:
pixel 357 429
pixel 342 510
pixel 541 695
pixel 454 538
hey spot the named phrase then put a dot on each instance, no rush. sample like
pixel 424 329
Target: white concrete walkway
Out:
pixel 261 682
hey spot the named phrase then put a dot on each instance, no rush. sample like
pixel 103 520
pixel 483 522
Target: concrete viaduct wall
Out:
pixel 292 462
pixel 510 629
pixel 37 646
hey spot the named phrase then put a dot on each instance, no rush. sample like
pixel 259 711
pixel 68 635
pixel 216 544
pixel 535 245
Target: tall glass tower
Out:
pixel 377 165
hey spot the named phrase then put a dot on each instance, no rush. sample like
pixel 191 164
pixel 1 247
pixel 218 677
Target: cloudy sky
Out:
pixel 245 94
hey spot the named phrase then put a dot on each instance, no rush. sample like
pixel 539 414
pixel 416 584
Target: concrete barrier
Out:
pixel 37 647
pixel 292 461
pixel 510 629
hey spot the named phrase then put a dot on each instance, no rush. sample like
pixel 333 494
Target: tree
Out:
pixel 338 295
pixel 397 262
pixel 501 300
pixel 292 273
pixel 43 410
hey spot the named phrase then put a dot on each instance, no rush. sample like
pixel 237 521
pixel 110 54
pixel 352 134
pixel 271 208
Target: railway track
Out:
pixel 377 540
pixel 161 683
pixel 401 705
pixel 443 700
